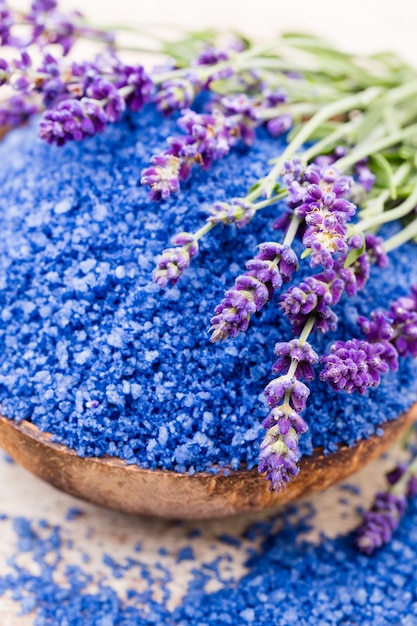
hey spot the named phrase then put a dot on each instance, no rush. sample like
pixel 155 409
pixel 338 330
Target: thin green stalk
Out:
pixel 296 110
pixel 272 200
pixel 321 146
pixel 327 112
pixel 393 214
pixel 308 327
pixel 292 231
pixel 376 205
pixel 406 234
pixel 364 150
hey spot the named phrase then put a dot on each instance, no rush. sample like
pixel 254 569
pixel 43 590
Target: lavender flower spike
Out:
pixel 72 119
pixel 354 365
pixel 381 521
pixel 302 353
pixel 238 211
pixel 175 94
pixel 162 176
pixel 277 389
pixel 174 261
pixel 279 452
pixel 271 267
pixel 388 508
pixel 279 456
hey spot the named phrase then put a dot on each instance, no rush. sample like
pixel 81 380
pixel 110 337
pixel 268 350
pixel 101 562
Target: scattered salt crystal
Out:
pixel 64 206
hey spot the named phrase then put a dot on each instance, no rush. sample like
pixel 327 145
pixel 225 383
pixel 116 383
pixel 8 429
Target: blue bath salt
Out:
pixel 288 581
pixel 92 351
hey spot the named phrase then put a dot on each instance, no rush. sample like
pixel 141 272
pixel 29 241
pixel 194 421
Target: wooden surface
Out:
pixel 130 489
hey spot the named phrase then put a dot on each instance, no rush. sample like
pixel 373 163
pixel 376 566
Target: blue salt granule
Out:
pixel 73 513
pixel 289 581
pixel 185 554
pixel 93 352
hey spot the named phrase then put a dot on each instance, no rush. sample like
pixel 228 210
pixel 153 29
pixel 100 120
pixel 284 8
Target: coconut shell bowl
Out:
pixel 111 483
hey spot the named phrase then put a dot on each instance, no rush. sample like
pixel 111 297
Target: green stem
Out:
pixel 204 230
pixel 296 110
pixel 375 205
pixel 292 231
pixel 365 149
pixel 307 329
pixel 406 234
pixel 327 112
pixel 238 62
pixel 393 214
pixel 330 140
pixel 269 201
pixel 309 325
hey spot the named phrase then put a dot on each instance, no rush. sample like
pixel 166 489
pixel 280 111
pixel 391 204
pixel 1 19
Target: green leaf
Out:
pixel 355 253
pixel 382 169
pixel 306 253
pixel 254 187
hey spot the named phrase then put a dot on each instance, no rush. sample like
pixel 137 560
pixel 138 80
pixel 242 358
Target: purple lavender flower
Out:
pixel 6 23
pixel 300 352
pixel 286 418
pixel 317 194
pixel 404 316
pixel 396 328
pixel 162 176
pixel 104 91
pixel 381 521
pixel 72 120
pixel 378 328
pixel 140 84
pixel 279 452
pixel 45 24
pixel 354 365
pixel 273 97
pixel 314 296
pixel 175 94
pixel 388 508
pixel 271 267
pixel 365 177
pixel 325 235
pixel 210 136
pixel 293 170
pixel 106 84
pixel 211 55
pixel 375 250
pixel 278 457
pixel 278 388
pixel 280 125
pixel 238 211
pixel 17 110
pixel 174 261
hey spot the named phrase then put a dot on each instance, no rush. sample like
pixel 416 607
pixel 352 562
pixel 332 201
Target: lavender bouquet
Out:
pixel 349 167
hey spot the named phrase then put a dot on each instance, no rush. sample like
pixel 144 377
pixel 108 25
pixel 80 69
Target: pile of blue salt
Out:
pixel 289 581
pixel 92 351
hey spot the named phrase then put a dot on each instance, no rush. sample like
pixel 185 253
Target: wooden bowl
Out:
pixel 112 483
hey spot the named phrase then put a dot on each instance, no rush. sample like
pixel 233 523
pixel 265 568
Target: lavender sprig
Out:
pixel 82 97
pixel 271 267
pixel 356 365
pixel 207 137
pixel 388 508
pixel 238 211
pixel 44 24
pixel 286 396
